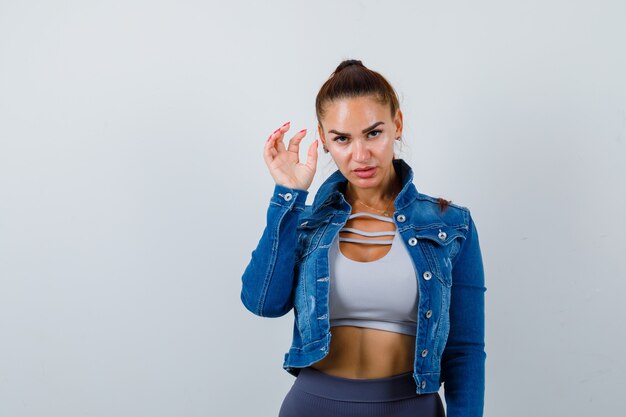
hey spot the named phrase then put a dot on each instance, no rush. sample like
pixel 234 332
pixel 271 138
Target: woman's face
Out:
pixel 360 133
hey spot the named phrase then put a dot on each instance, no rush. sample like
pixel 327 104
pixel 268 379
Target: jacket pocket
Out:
pixel 309 232
pixel 440 244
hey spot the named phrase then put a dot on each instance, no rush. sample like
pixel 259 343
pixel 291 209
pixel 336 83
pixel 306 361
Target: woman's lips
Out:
pixel 365 173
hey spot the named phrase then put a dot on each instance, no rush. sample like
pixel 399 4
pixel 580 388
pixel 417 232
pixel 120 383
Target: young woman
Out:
pixel 386 283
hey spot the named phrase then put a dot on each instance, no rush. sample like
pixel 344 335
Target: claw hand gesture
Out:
pixel 284 164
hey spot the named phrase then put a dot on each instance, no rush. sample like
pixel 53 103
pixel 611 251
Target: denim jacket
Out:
pixel 290 269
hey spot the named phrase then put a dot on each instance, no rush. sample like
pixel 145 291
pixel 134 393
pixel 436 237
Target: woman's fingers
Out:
pixel 278 137
pixel 269 151
pixel 311 157
pixel 294 143
pixel 274 143
pixel 285 162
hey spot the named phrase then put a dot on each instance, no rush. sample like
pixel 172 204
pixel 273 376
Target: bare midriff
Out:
pixel 364 353
pixel 360 352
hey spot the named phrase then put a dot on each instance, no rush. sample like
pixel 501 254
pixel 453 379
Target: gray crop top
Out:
pixel 381 294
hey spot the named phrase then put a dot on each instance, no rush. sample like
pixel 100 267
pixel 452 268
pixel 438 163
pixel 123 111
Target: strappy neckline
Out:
pixel 390 242
pixel 393 244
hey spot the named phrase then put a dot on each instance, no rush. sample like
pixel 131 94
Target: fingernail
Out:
pixel 303 130
pixel 276 130
pixel 286 123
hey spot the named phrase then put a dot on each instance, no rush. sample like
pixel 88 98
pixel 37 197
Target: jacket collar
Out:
pixel 333 188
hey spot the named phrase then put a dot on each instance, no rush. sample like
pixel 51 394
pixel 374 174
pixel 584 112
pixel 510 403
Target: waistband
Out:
pixel 395 387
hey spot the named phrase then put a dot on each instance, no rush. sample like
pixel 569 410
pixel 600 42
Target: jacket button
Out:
pixel 427 275
pixel 424 353
pixel 287 196
pixel 442 235
pixel 401 217
pixel 429 314
pixel 412 241
pixel 423 385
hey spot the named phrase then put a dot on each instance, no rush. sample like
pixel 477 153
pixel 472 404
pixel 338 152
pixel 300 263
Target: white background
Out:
pixel 133 190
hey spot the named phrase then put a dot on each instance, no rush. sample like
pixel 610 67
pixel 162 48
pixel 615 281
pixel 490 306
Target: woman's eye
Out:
pixel 338 138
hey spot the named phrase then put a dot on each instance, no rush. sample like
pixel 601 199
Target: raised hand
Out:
pixel 284 163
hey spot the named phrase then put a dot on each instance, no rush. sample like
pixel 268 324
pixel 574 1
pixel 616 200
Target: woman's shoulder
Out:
pixel 435 210
pixel 441 201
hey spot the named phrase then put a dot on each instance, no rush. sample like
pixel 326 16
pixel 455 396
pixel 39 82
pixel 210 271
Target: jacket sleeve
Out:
pixel 463 359
pixel 268 280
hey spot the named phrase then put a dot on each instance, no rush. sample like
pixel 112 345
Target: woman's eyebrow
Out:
pixel 363 131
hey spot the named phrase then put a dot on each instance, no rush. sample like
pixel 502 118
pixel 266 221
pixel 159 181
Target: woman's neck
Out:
pixel 378 197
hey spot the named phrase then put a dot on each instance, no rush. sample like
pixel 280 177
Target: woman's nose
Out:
pixel 361 151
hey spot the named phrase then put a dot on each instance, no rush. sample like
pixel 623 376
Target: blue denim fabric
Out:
pixel 289 269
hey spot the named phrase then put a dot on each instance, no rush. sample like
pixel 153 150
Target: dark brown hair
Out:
pixel 353 79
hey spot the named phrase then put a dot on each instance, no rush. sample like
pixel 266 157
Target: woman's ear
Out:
pixel 320 130
pixel 398 123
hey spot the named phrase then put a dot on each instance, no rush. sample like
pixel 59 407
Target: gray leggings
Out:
pixel 317 394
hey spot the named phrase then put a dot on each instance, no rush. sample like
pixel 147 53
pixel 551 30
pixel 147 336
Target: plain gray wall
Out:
pixel 133 190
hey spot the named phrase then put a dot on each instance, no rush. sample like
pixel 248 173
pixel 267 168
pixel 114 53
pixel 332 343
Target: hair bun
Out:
pixel 349 62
